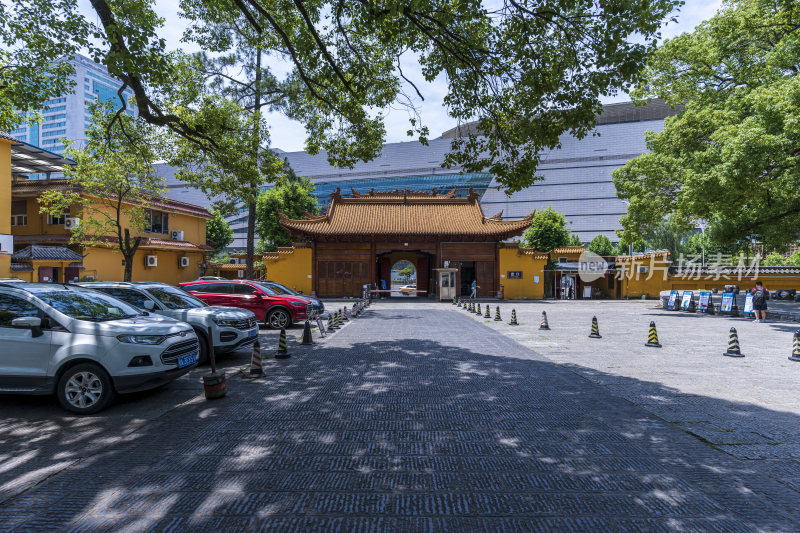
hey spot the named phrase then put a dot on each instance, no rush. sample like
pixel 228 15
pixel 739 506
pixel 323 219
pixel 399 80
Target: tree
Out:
pixel 407 272
pixel 601 245
pixel 291 197
pixel 548 230
pixel 730 157
pixel 773 259
pixel 527 71
pixel 218 233
pixel 575 240
pixel 113 185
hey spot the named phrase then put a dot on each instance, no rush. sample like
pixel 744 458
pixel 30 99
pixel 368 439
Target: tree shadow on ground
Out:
pixel 463 433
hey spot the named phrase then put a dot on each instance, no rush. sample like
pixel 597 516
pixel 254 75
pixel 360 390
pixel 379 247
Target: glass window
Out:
pixel 12 307
pixel 211 288
pixel 129 296
pixel 173 298
pixel 159 222
pixel 88 305
pixel 244 288
pixel 276 288
pixel 57 220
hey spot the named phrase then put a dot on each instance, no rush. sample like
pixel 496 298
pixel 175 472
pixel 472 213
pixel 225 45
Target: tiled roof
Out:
pixel 404 192
pixel 6 136
pixel 36 187
pixel 654 255
pixel 36 252
pixel 569 250
pixel 401 215
pixel 534 253
pixel 21 267
pixel 166 243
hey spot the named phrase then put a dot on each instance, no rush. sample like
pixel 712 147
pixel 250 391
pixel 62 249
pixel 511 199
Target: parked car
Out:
pixel 231 328
pixel 210 278
pixel 86 346
pixel 275 310
pixel 316 304
pixel 408 289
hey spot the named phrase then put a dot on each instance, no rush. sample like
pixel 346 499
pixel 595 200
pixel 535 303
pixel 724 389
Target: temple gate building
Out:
pixel 359 239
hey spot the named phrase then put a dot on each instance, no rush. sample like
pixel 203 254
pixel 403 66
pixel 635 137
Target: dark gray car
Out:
pixel 316 304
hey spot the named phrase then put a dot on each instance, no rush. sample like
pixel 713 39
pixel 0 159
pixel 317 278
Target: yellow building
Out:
pixel 172 248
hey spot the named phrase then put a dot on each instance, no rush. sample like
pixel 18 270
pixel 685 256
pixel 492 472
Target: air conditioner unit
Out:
pixel 177 235
pixel 644 270
pixel 183 261
pixel 71 222
pixel 150 260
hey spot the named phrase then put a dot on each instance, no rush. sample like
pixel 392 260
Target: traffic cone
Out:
pixel 283 351
pixel 544 324
pixel 795 347
pixel 454 300
pixel 488 313
pixel 331 322
pixel 338 318
pixel 652 336
pixel 345 318
pixel 256 368
pixel 497 314
pixel 513 318
pixel 733 345
pixel 307 340
pixel 459 303
pixel 595 334
pixel 478 310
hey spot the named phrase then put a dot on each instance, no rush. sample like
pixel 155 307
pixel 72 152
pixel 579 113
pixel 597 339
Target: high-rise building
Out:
pixel 575 179
pixel 68 116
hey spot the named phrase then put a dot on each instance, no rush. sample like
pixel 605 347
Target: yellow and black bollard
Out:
pixel 733 345
pixel 478 310
pixel 795 347
pixel 652 336
pixel 595 334
pixel 488 313
pixel 544 324
pixel 454 300
pixel 513 318
pixel 459 303
pixel 331 322
pixel 255 361
pixel 307 340
pixel 497 314
pixel 283 350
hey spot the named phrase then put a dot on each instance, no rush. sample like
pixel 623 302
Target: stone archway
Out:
pixel 403 277
pixel 421 262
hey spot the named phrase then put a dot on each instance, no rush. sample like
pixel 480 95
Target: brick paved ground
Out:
pixel 412 418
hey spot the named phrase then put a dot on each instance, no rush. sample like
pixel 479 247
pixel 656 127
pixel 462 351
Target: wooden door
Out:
pixel 386 273
pixel 484 274
pixel 422 276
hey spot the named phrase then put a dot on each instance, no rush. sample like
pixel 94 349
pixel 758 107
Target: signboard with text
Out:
pixel 673 295
pixel 705 299
pixel 727 302
pixel 748 303
pixel 686 300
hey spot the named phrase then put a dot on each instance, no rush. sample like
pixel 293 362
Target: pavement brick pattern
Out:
pixel 408 419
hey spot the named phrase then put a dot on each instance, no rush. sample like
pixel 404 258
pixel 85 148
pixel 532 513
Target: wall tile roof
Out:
pixel 404 216
pixel 36 252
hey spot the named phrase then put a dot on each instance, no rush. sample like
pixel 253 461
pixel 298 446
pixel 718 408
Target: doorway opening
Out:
pixel 467 277
pixel 404 279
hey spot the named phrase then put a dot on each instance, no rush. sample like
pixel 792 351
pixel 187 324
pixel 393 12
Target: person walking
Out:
pixel 474 292
pixel 760 295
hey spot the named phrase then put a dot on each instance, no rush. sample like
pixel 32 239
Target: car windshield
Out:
pixel 88 305
pixel 173 298
pixel 280 289
pixel 268 289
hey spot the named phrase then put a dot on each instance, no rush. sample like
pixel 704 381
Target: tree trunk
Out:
pixel 128 250
pixel 251 236
pixel 128 274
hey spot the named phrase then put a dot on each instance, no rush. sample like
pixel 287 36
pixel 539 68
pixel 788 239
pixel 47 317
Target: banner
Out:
pixel 727 302
pixel 748 304
pixel 687 299
pixel 673 295
pixel 705 299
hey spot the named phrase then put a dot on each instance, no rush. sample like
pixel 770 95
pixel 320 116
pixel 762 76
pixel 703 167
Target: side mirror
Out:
pixel 33 323
pixel 149 305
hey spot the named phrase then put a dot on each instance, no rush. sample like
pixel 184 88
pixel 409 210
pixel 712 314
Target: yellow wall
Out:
pixel 105 264
pixel 293 269
pixel 530 265
pixel 5 202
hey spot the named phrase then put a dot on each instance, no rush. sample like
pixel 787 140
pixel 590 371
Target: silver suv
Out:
pixel 231 327
pixel 86 346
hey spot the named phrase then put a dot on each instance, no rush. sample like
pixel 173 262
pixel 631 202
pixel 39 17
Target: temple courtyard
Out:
pixel 418 416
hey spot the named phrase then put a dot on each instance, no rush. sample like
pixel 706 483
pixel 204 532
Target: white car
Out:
pixel 232 328
pixel 86 346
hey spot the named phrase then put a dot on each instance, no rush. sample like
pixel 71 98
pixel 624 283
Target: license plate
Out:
pixel 252 333
pixel 187 360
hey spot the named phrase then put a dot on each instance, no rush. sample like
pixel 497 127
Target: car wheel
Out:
pixel 203 357
pixel 85 389
pixel 279 318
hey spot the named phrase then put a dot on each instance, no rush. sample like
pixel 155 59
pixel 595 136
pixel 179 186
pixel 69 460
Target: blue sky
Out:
pixel 290 136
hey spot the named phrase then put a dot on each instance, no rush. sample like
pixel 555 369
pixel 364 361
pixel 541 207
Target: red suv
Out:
pixel 275 310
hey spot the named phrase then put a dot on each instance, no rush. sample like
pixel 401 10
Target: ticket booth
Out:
pixel 446 278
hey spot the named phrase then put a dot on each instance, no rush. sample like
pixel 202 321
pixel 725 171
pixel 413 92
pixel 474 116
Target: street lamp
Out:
pixel 702 224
